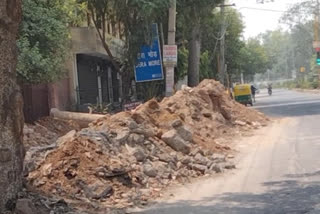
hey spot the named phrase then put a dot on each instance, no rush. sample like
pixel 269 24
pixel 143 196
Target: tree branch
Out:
pixel 104 43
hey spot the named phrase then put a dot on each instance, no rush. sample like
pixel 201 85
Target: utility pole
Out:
pixel 222 46
pixel 171 41
pixel 222 61
pixel 316 33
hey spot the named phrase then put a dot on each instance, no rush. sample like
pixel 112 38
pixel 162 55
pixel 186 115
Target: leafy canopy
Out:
pixel 43 41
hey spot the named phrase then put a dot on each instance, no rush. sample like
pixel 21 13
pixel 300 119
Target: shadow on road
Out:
pixel 295 110
pixel 283 197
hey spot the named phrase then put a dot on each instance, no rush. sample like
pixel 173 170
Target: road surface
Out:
pixel 278 169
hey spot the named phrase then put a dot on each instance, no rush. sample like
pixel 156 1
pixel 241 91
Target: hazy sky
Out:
pixel 257 21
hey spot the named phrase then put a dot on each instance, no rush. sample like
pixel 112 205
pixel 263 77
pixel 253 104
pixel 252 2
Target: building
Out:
pixel 92 78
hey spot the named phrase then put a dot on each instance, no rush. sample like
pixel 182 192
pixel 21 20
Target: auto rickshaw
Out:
pixel 242 94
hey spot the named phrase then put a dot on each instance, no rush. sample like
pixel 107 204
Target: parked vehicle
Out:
pixel 242 94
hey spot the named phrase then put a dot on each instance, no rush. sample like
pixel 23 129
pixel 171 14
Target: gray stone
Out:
pixel 216 168
pixel 229 165
pixel 218 158
pixel 186 160
pixel 177 123
pixel 132 124
pixel 165 158
pixel 185 132
pixel 25 206
pixel 195 151
pixel 199 167
pixel 139 155
pixel 107 192
pixel 150 171
pixel 200 159
pixel 136 138
pixel 123 135
pixel 147 132
pixel 172 139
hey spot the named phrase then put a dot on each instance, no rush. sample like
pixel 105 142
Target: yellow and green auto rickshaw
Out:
pixel 242 94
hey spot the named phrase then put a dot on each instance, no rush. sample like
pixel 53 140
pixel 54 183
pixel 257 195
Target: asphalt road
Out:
pixel 278 169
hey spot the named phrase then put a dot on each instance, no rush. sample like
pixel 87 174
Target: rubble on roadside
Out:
pixel 127 159
pixel 46 131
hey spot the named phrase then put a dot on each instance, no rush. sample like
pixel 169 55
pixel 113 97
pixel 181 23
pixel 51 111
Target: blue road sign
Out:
pixel 149 62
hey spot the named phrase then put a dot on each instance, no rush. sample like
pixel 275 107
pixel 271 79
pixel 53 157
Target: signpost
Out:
pixel 131 106
pixel 170 55
pixel 149 65
pixel 171 41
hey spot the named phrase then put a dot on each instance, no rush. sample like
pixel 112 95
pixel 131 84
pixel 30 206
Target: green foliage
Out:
pixel 205 66
pixel 254 59
pixel 292 49
pixel 211 35
pixel 182 67
pixel 43 42
pixel 300 12
pixel 75 10
pixel 137 17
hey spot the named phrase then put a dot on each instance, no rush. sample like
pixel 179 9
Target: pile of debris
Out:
pixel 46 131
pixel 128 158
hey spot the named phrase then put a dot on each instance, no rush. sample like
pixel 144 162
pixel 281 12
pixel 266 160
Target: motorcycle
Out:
pixel 270 91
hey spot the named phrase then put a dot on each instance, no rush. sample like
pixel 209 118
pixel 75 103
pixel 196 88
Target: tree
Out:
pixel 134 18
pixel 11 116
pixel 211 36
pixel 254 59
pixel 192 14
pixel 300 13
pixel 43 42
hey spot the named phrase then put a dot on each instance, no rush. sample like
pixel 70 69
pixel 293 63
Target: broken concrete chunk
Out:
pixel 122 135
pixel 216 168
pixel 201 160
pixel 218 158
pixel 185 132
pixel 186 160
pixel 106 193
pixel 240 123
pixel 199 167
pixel 139 155
pixel 176 123
pixel 136 138
pixel 150 171
pixel 172 139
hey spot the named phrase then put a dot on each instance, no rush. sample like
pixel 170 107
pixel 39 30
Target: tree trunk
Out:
pixel 11 115
pixel 83 119
pixel 194 55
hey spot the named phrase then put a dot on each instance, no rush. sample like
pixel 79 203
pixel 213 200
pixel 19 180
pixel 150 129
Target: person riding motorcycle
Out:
pixel 270 89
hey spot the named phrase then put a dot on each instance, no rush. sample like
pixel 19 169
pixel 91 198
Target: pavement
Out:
pixel 278 169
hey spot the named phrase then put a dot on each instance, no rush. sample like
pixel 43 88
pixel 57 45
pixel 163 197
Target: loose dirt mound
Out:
pixel 128 158
pixel 46 131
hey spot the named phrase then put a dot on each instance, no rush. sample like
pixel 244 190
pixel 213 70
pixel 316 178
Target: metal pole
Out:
pixel 171 41
pixel 317 34
pixel 222 46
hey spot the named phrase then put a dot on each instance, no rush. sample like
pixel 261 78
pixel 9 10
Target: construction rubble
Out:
pixel 129 158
